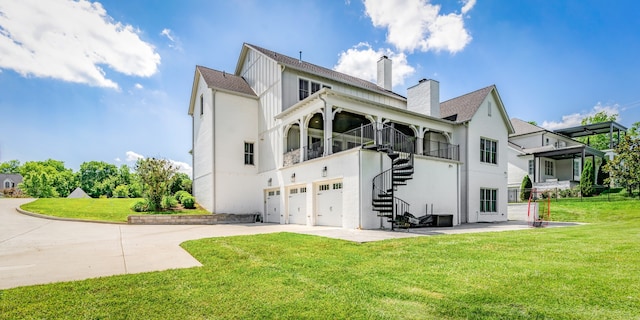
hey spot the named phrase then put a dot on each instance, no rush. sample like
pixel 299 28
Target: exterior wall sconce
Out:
pixel 293 177
pixel 324 171
pixel 269 182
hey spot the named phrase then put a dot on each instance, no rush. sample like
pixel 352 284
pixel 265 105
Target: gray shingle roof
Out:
pixel 321 71
pixel 523 127
pixel 225 81
pixel 463 108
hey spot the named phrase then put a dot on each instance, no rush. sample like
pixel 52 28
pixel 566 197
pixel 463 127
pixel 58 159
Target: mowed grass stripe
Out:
pixel 583 272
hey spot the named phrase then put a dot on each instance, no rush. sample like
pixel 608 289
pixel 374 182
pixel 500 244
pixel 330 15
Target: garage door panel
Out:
pixel 298 205
pixel 329 204
pixel 272 213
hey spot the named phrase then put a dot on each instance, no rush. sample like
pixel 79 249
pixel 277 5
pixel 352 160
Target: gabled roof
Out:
pixel 14 177
pixel 226 81
pixel 462 108
pixel 307 67
pixel 522 127
pixel 219 80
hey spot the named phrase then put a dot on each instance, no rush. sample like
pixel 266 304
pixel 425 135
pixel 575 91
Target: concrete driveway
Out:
pixel 36 251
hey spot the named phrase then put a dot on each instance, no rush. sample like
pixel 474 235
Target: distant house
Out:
pixel 553 159
pixel 9 181
pixel 303 144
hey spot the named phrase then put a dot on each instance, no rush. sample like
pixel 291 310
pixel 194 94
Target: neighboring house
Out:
pixel 552 159
pixel 9 181
pixel 303 144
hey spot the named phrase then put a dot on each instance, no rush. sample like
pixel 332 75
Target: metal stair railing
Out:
pixel 395 140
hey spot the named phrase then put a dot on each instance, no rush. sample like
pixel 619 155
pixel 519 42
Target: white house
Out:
pixel 553 159
pixel 303 144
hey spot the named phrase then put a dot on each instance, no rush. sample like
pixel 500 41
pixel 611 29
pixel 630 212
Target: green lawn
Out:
pixel 113 209
pixel 581 272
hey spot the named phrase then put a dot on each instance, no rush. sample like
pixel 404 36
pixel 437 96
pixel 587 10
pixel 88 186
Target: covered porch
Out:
pixel 562 168
pixel 309 135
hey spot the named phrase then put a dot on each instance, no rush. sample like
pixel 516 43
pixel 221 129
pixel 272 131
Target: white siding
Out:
pixel 203 148
pixel 236 123
pixel 486 175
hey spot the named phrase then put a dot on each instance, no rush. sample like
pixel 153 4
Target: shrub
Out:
pixel 142 205
pixel 525 188
pixel 168 202
pixel 121 191
pixel 189 202
pixel 181 194
pixel 586 180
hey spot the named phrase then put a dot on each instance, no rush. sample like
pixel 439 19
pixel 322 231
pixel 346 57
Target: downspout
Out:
pixel 213 149
pixel 360 189
pixel 466 160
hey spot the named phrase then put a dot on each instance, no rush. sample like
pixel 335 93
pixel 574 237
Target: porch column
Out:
pixel 420 140
pixel 303 139
pixel 328 129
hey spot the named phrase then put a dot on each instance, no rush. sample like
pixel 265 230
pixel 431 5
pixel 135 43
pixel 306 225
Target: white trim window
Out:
pixel 488 200
pixel 531 167
pixel 201 104
pixel 488 151
pixel 248 153
pixel 548 168
pixel 307 87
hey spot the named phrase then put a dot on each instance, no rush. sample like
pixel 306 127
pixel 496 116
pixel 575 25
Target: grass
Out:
pixel 583 272
pixel 113 209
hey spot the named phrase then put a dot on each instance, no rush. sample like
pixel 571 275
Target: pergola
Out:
pixel 592 129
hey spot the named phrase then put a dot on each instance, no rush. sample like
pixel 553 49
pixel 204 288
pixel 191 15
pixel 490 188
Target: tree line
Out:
pixel 51 179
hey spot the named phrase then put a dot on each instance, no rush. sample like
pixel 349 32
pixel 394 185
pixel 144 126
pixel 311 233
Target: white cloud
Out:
pixel 117 159
pixel 182 167
pixel 132 156
pixel 418 24
pixel 575 119
pixel 361 61
pixel 71 41
pixel 175 42
pixel 138 86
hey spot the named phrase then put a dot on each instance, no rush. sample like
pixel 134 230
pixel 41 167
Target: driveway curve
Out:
pixel 36 250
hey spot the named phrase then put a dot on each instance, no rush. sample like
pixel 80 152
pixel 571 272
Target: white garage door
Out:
pixel 298 205
pixel 273 206
pixel 329 204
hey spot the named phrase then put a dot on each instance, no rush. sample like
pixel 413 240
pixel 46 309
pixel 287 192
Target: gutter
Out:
pixel 213 149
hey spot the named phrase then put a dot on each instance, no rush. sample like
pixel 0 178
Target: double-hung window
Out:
pixel 488 151
pixel 531 167
pixel 307 88
pixel 548 168
pixel 488 200
pixel 248 153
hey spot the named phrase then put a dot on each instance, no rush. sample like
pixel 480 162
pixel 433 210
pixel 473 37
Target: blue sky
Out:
pixel 110 80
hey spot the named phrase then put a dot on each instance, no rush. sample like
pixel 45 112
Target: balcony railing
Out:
pixel 387 137
pixel 315 150
pixel 352 139
pixel 443 150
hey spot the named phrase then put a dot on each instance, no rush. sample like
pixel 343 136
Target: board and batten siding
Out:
pixel 263 75
pixel 290 93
